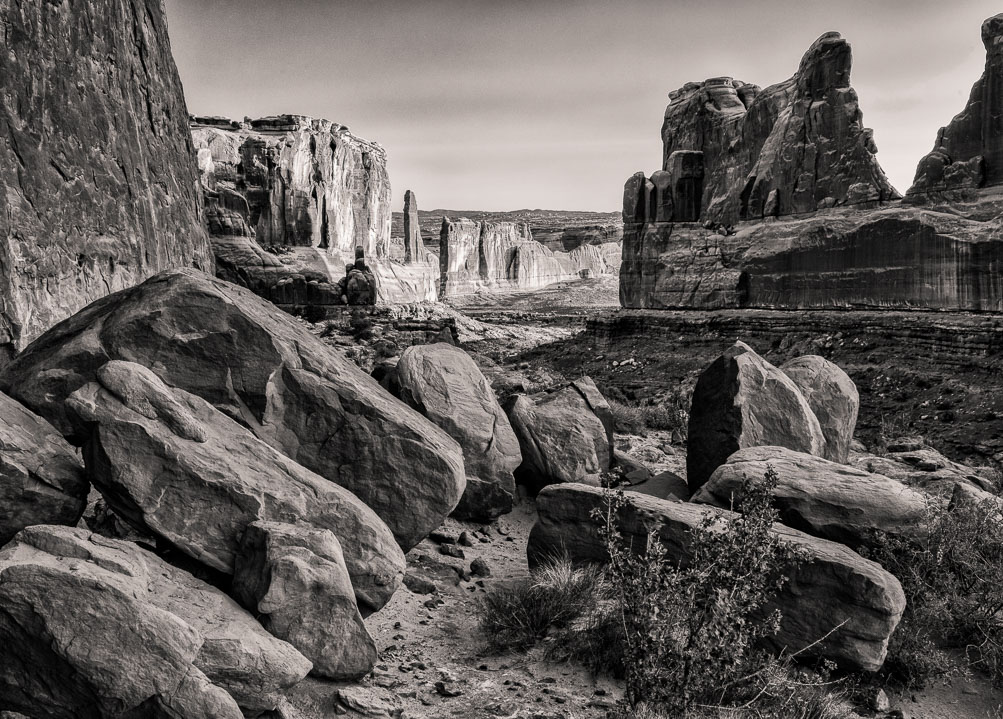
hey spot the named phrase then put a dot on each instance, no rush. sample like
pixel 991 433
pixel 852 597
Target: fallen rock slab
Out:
pixel 822 498
pixel 91 623
pixel 837 586
pixel 170 464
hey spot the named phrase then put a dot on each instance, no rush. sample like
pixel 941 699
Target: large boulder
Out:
pixel 826 499
pixel 833 398
pixel 565 435
pixel 294 578
pixel 445 385
pixel 835 587
pixel 171 464
pixel 98 181
pixel 264 369
pixel 739 401
pixel 97 627
pixel 41 480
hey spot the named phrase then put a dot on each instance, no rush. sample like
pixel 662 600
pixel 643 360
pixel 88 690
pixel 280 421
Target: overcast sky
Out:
pixel 508 104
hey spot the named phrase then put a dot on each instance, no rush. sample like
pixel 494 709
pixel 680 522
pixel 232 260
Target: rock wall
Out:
pixel 567 239
pixel 98 183
pixel 289 199
pixel 968 153
pixel 500 256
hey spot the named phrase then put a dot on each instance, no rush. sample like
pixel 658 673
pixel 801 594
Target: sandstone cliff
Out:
pixel 498 256
pixel 98 183
pixel 289 199
pixel 968 153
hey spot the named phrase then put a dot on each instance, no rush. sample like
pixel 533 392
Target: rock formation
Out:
pixel 98 183
pixel 498 256
pixel 968 153
pixel 266 371
pixel 291 199
pixel 833 399
pixel 822 498
pixel 414 246
pixel 835 586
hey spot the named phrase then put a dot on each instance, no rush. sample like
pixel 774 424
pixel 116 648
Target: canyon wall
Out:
pixel 289 202
pixel 98 183
pixel 500 256
pixel 774 199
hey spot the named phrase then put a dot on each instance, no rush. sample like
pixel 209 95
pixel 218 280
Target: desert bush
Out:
pixel 627 419
pixel 670 413
pixel 691 631
pixel 951 578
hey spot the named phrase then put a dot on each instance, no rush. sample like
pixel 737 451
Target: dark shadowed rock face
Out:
pixel 968 153
pixel 98 182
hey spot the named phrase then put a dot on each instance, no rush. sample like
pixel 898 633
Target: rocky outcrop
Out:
pixel 499 256
pixel 98 185
pixel 294 578
pixel 822 498
pixel 566 239
pixel 833 398
pixel 968 153
pixel 99 625
pixel 740 401
pixel 266 371
pixel 414 246
pixel 565 435
pixel 835 588
pixel 290 199
pixel 445 385
pixel 41 479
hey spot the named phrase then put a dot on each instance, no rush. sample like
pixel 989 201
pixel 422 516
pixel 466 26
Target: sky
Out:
pixel 511 104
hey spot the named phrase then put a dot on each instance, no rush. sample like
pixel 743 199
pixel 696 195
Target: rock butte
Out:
pixel 774 199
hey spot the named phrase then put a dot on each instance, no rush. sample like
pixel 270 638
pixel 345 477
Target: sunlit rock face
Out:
pixel 98 183
pixel 968 153
pixel 289 199
pixel 478 256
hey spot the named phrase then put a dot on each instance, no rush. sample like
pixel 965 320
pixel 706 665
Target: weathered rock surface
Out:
pixel 41 479
pixel 499 256
pixel 98 184
pixel 565 436
pixel 837 585
pixel 295 579
pixel 822 498
pixel 262 368
pixel 968 153
pixel 832 396
pixel 289 199
pixel 171 464
pixel 414 246
pixel 924 467
pixel 740 401
pixel 97 627
pixel 445 385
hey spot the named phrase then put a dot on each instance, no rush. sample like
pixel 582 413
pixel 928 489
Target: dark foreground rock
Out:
pixel 823 498
pixel 41 479
pixel 97 627
pixel 837 586
pixel 171 464
pixel 265 370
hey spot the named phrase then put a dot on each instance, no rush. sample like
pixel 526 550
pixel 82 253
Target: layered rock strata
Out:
pixel 98 182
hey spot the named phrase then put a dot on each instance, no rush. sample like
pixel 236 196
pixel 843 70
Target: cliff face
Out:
pixel 968 153
pixel 98 183
pixel 499 256
pixel 290 199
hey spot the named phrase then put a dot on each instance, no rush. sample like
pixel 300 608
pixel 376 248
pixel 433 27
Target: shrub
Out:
pixel 626 418
pixel 951 579
pixel 691 632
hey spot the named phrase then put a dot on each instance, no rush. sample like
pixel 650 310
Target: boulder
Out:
pixel 445 385
pixel 833 398
pixel 919 465
pixel 740 401
pixel 171 464
pixel 41 479
pixel 835 587
pixel 97 627
pixel 97 174
pixel 822 498
pixel 294 578
pixel 264 369
pixel 562 437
